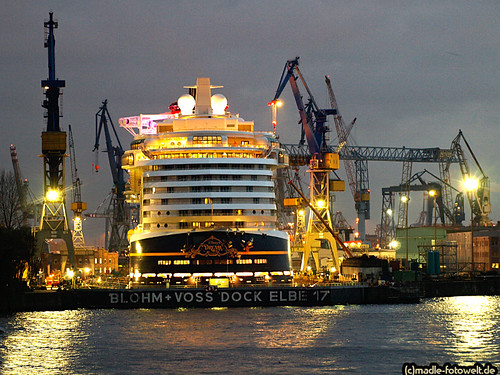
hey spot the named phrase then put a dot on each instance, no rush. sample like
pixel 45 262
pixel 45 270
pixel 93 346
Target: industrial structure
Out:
pixel 322 164
pixel 356 170
pixel 54 221
pixel 118 213
pixel 77 205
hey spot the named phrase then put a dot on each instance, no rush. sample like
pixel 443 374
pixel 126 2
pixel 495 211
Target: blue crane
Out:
pixel 118 210
pixel 312 118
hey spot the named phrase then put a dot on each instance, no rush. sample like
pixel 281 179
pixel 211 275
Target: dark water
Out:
pixel 374 339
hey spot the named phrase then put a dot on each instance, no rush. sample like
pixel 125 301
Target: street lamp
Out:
pixel 405 199
pixel 471 186
pixel 433 193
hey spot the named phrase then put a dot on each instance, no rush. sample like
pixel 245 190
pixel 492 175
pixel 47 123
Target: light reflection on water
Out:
pixel 340 339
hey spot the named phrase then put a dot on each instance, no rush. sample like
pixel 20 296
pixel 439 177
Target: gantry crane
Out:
pixel 118 209
pixel 299 157
pixel 356 170
pixel 54 222
pixel 77 205
pixel 322 163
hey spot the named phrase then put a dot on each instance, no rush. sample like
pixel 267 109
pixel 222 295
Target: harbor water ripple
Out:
pixel 368 339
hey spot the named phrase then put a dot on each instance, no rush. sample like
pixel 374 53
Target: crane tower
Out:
pixel 54 221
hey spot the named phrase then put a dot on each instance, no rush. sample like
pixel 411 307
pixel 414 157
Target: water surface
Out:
pixel 370 339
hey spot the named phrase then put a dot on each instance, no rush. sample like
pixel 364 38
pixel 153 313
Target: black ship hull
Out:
pixel 201 256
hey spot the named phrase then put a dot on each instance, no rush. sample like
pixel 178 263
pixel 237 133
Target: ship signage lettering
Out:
pixel 229 297
pixel 211 247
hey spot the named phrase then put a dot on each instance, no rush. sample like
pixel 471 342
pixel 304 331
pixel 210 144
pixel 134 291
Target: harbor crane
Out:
pixel 118 210
pixel 322 162
pixel 356 170
pixel 479 198
pixel 77 205
pixel 54 222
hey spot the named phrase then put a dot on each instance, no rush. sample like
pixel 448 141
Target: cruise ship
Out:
pixel 204 180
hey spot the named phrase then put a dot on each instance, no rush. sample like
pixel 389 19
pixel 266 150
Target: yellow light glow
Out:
pixel 77 219
pixel 320 203
pixel 138 248
pixel 405 199
pixel 471 184
pixel 70 273
pixel 389 212
pixel 301 212
pixel 87 270
pixel 432 193
pixel 394 244
pixel 52 195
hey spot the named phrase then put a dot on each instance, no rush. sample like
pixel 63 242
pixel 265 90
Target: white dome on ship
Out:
pixel 219 104
pixel 186 104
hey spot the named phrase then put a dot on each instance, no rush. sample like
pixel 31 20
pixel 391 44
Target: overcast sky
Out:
pixel 412 72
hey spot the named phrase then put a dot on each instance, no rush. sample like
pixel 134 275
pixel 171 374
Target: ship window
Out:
pixel 147 226
pixel 203 261
pixel 207 140
pixel 181 261
pixel 237 177
pixel 253 178
pixel 148 190
pixel 207 188
pixel 146 214
pixel 170 190
pixel 260 261
pixel 196 201
pixel 163 262
pixel 254 212
pixel 225 200
pixel 225 188
pixel 183 213
pixel 195 178
pixel 165 225
pixel 159 213
pixel 256 200
pixel 243 261
pixel 195 189
pixel 181 178
pixel 183 225
pixel 168 213
pixel 146 202
pixel 223 261
pixel 224 177
pixel 158 225
pixel 249 188
pixel 239 224
pixel 196 224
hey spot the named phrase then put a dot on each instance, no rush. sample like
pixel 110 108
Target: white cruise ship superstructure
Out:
pixel 204 182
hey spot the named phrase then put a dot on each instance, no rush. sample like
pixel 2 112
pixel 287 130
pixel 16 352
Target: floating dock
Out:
pixel 208 297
